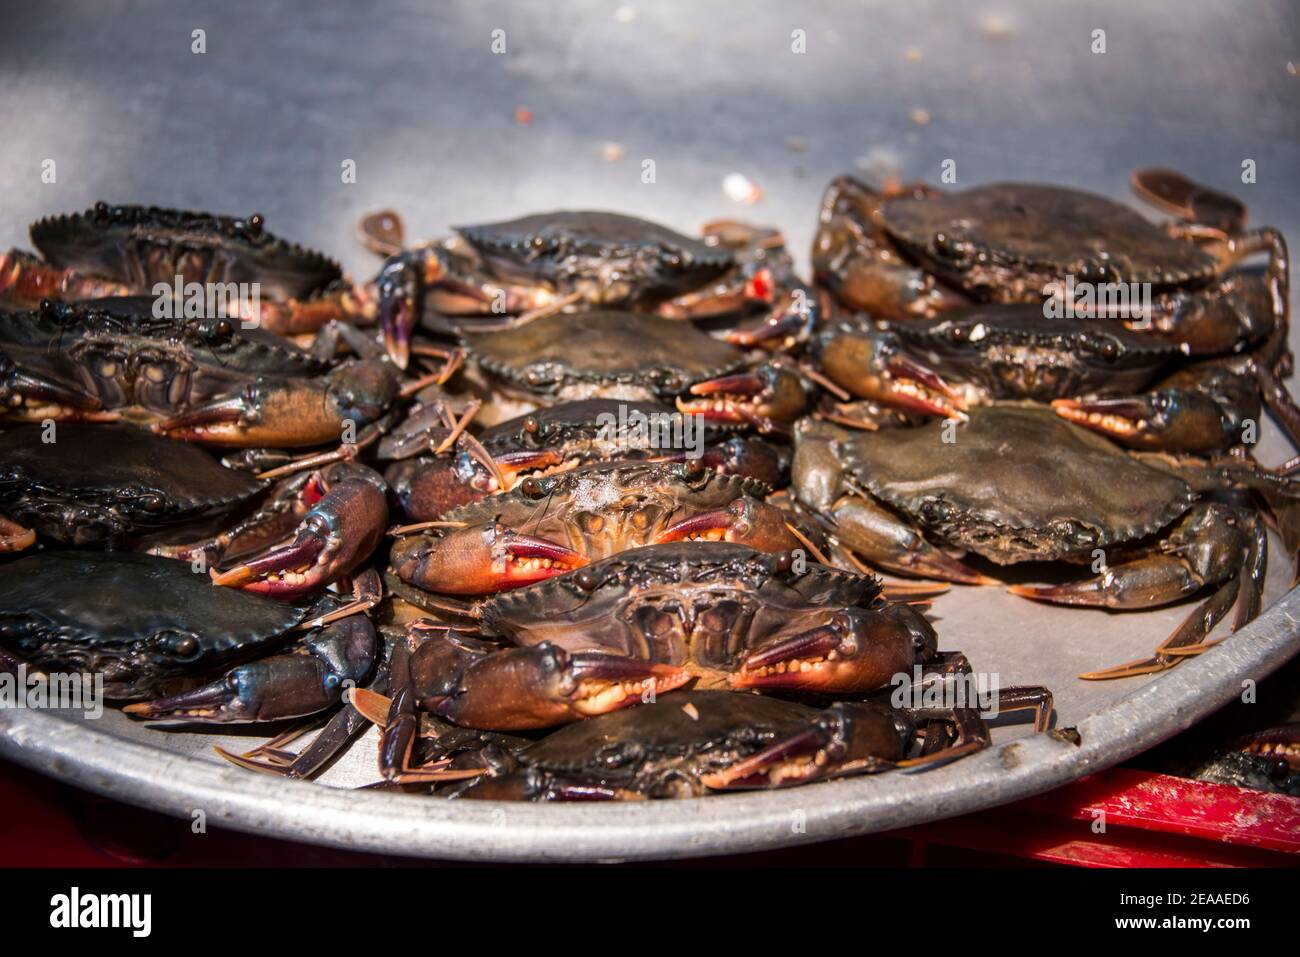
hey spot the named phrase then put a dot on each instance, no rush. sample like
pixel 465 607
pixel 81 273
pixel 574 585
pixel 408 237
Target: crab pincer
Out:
pixel 291 412
pixel 478 560
pixel 308 678
pixel 855 649
pixel 340 531
pixel 765 398
pixel 746 521
pixel 872 364
pixel 473 683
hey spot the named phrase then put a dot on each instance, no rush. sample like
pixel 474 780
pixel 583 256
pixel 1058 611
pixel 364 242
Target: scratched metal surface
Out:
pixel 413 94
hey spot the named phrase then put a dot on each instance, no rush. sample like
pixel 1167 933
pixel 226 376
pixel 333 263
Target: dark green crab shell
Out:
pixel 1017 483
pixel 985 237
pixel 594 607
pixel 58 334
pixel 112 482
pixel 138 619
pixel 631 260
pixel 601 352
pixel 1013 351
pixel 659 750
pixel 144 245
pixel 608 486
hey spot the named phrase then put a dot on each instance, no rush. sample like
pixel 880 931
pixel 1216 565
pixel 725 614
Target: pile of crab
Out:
pixel 575 506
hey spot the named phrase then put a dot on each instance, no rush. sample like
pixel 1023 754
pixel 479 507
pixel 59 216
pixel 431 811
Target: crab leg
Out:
pixel 1212 545
pixel 336 535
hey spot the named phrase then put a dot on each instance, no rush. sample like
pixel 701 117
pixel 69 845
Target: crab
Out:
pixel 694 743
pixel 152 627
pixel 1017 483
pixel 631 356
pixel 1136 389
pixel 546 262
pixel 150 493
pixel 645 621
pixel 555 439
pixel 132 250
pixel 550 525
pixel 916 253
pixel 204 379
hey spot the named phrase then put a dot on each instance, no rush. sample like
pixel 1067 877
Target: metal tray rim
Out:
pixel 383 822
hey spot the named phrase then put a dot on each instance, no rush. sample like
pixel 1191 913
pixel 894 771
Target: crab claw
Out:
pixel 871 365
pixel 306 681
pixel 846 738
pixel 1169 420
pixel 339 533
pixel 481 559
pixel 1172 191
pixel 290 413
pixel 790 320
pixel 856 650
pixel 746 521
pixel 769 395
pixel 544 685
pixel 399 289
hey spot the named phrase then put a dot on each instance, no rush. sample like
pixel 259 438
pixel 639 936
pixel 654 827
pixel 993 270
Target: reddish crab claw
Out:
pixel 870 364
pixel 544 685
pixel 479 560
pixel 856 650
pixel 478 684
pixel 340 531
pixel 765 398
pixel 746 520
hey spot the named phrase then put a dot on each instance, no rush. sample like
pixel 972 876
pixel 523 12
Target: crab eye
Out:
pixel 957 334
pixel 586 579
pixel 178 645
pixel 151 502
pixel 532 487
pixel 1110 349
pixel 255 223
pixel 531 425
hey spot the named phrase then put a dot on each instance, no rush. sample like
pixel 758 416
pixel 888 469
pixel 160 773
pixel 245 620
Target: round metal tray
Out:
pixel 285 95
